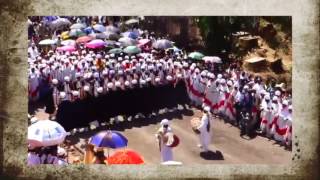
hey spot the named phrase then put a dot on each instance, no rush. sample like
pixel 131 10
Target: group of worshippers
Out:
pixel 235 91
pixel 47 155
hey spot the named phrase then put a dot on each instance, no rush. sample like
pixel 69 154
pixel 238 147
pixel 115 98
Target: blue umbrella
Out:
pixel 109 139
pixel 130 34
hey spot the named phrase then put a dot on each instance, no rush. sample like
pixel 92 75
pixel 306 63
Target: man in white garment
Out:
pixel 205 129
pixel 166 151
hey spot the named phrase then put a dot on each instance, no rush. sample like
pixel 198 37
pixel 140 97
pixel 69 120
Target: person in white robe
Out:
pixel 205 129
pixel 166 151
pixel 266 115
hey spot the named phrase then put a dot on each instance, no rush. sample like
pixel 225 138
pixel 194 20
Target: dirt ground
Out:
pixel 227 147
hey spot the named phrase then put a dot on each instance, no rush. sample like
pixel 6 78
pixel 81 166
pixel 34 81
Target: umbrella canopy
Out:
pixel 65 35
pixel 109 139
pixel 46 133
pixel 76 33
pixel 212 59
pixel 143 42
pixel 113 29
pixel 125 157
pixel 98 35
pixel 175 49
pixel 130 34
pixel 99 27
pixel 84 39
pixel 66 49
pixel 96 43
pixel 162 44
pixel 126 41
pixel 132 21
pixel 59 23
pixel 196 55
pixel 115 51
pixel 47 42
pixel 132 50
pixel 78 26
pixel 68 42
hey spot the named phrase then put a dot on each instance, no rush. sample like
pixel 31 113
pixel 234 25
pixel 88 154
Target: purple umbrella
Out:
pixel 96 43
pixel 66 48
pixel 109 139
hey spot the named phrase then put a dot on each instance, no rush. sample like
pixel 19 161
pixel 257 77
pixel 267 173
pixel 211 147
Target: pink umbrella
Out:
pixel 143 42
pixel 96 43
pixel 67 48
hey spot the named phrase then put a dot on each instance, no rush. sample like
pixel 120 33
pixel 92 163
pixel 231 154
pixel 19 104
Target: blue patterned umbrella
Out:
pixel 109 139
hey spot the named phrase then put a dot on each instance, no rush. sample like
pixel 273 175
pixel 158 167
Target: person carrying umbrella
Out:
pixel 166 151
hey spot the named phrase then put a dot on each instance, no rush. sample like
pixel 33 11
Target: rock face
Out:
pixel 277 66
pixel 268 31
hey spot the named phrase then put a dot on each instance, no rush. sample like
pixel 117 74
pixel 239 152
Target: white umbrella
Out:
pixel 126 41
pixel 99 27
pixel 162 44
pixel 77 26
pixel 212 59
pixel 59 23
pixel 46 133
pixel 47 42
pixel 132 21
pixel 68 42
pixel 113 29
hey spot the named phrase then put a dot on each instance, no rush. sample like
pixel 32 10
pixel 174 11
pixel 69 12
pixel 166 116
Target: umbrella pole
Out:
pixel 108 152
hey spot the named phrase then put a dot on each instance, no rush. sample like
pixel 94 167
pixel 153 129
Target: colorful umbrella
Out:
pixel 115 51
pixel 126 41
pixel 47 42
pixel 125 157
pixel 109 139
pixel 132 50
pixel 196 55
pixel 175 49
pixel 68 42
pixel 46 133
pixel 113 29
pixel 99 27
pixel 77 26
pixel 212 59
pixel 96 43
pixel 162 44
pixel 59 23
pixel 66 48
pixel 76 33
pixel 143 42
pixel 130 34
pixel 84 39
pixel 65 35
pixel 132 21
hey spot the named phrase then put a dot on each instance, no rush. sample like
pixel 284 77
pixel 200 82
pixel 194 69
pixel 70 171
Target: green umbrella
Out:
pixel 132 50
pixel 196 55
pixel 115 51
pixel 47 42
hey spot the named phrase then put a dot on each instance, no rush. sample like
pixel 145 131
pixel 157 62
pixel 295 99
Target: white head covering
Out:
pixel 75 93
pixel 157 79
pixel 110 85
pixel 86 88
pixel 219 76
pixel 164 122
pixel 134 81
pixel 67 78
pixel 54 81
pixel 100 89
pixel 169 78
pixel 206 109
pixel 285 102
pixel 126 83
pixel 117 84
pixel 277 93
pixel 62 95
pixel 275 98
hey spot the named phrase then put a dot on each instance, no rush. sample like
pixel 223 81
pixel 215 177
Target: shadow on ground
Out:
pixel 122 126
pixel 210 155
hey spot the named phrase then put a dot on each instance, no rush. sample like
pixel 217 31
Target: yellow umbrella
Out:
pixel 65 35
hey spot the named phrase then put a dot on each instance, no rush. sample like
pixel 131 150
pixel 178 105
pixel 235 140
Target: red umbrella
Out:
pixel 125 157
pixel 84 39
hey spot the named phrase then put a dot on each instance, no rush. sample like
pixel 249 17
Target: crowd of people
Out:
pixel 60 78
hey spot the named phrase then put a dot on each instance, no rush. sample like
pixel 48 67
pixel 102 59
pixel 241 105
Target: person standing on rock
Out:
pixel 166 151
pixel 205 129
